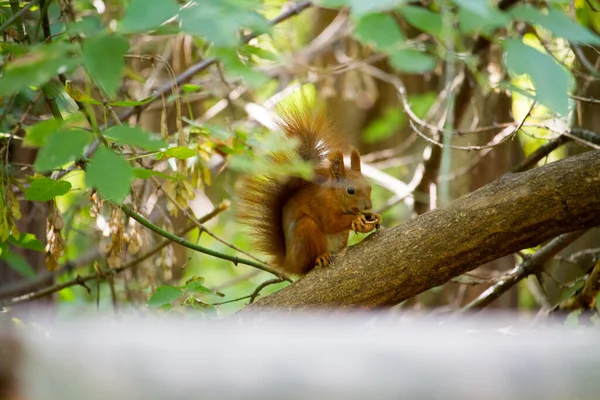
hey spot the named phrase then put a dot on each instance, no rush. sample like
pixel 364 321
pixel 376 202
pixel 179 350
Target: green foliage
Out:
pixel 26 241
pixel 380 31
pixel 134 136
pixel 110 174
pixel 423 19
pixel 45 189
pixel 37 67
pixel 219 20
pixel 18 264
pixel 105 67
pixel 190 295
pixel 551 81
pixel 179 152
pixel 141 17
pixel 61 148
pixel 164 295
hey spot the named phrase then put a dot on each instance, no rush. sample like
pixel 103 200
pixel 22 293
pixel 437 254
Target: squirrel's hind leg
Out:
pixel 306 246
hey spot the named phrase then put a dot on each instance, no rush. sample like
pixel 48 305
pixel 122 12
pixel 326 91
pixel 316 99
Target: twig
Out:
pixel 179 240
pixel 79 279
pixel 585 298
pixel 529 266
pixel 260 287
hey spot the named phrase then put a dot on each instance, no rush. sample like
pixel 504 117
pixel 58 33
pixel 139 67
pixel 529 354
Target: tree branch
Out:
pixel 514 212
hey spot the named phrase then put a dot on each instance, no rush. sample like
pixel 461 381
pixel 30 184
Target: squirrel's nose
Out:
pixel 368 205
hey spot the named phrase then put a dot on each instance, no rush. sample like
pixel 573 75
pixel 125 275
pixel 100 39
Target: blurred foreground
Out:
pixel 359 356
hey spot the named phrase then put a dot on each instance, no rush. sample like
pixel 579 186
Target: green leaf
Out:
pixel 45 189
pixel 379 30
pixel 597 302
pixel 219 20
pixel 134 136
pixel 141 15
pixel 550 80
pixel 384 127
pixel 556 22
pixel 412 61
pixel 132 103
pixel 144 173
pixel 190 88
pixel 179 152
pixel 19 264
pixel 36 135
pixel 37 67
pixel 110 174
pixel 360 7
pixel 234 67
pixel 197 287
pixel 103 58
pixel 423 19
pixel 61 147
pixel 27 241
pixel 481 8
pixel 164 295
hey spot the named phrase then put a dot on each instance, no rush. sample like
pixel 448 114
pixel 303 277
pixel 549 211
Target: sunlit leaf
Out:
pixel 134 136
pixel 27 241
pixel 110 174
pixel 179 152
pixel 61 147
pixel 164 295
pixel 550 80
pixel 45 189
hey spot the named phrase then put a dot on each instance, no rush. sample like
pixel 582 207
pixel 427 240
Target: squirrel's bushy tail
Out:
pixel 263 197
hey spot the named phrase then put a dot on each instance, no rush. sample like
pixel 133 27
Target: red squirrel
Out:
pixel 301 223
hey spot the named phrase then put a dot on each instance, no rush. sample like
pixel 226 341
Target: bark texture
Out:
pixel 514 212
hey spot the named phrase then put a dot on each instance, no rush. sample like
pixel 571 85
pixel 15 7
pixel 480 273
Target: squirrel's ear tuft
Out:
pixel 337 164
pixel 354 160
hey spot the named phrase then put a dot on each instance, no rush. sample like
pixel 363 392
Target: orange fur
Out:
pixel 299 222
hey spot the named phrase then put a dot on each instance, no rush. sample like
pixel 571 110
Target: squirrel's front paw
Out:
pixel 366 222
pixel 373 218
pixel 323 260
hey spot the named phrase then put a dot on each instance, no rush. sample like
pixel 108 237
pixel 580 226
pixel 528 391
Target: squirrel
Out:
pixel 301 223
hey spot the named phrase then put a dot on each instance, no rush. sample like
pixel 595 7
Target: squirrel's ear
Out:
pixel 337 164
pixel 354 160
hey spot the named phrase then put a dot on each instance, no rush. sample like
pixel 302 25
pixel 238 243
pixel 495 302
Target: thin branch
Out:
pixel 263 285
pixel 79 280
pixel 526 268
pixel 179 240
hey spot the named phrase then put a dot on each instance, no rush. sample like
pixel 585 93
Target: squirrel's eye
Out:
pixel 351 190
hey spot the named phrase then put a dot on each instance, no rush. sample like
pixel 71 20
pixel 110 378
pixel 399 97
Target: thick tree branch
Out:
pixel 514 212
